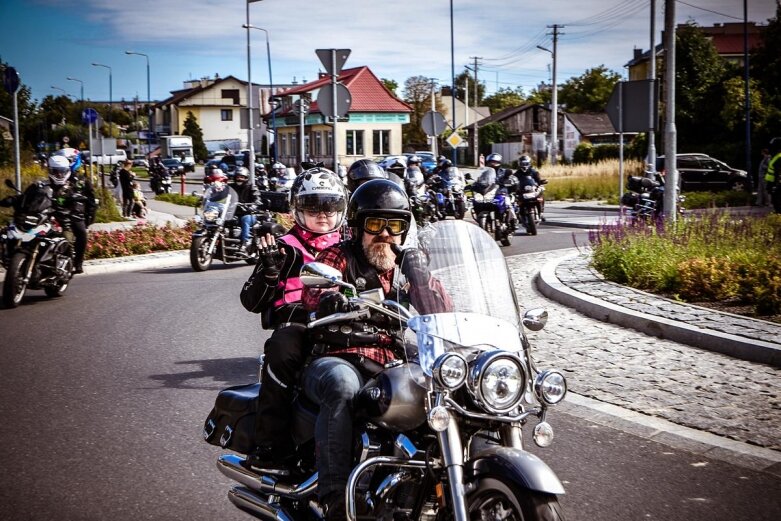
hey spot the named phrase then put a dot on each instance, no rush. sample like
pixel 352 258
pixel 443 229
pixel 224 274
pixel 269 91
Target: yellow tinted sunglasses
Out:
pixel 375 225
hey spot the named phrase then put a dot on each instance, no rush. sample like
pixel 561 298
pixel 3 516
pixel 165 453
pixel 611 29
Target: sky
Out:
pixel 47 41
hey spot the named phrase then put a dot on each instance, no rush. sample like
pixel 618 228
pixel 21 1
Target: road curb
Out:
pixel 673 435
pixel 753 350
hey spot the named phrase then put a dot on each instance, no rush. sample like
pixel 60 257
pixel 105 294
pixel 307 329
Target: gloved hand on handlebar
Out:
pixel 271 257
pixel 414 266
pixel 332 302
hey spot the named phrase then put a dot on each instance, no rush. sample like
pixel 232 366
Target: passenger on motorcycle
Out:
pixel 248 194
pixel 318 201
pixel 379 216
pixel 413 177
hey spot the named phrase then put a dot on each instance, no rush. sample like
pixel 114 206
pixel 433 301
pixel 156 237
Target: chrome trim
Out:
pixel 377 460
pixel 476 372
pixel 480 416
pixel 390 483
pixel 246 499
pixel 231 466
pixel 406 446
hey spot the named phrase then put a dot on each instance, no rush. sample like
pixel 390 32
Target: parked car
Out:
pixel 700 172
pixel 427 160
pixel 140 162
pixel 174 166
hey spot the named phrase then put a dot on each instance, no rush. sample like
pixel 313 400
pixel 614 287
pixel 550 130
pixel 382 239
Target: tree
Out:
pixel 391 85
pixel 590 91
pixel 541 95
pixel 417 93
pixel 193 129
pixel 25 109
pixel 504 98
pixel 491 133
pixel 464 79
pixel 766 69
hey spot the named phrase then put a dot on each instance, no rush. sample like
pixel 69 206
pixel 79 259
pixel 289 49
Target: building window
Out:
pixel 329 144
pixel 355 142
pixel 293 145
pixel 226 114
pixel 381 142
pixel 231 94
pixel 282 145
pixel 318 143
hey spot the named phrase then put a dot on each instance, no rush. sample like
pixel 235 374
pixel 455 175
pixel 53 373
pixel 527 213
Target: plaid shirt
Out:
pixel 432 299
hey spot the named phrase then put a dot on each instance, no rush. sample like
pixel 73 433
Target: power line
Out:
pixel 709 10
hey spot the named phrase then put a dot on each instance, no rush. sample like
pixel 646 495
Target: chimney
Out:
pixel 638 53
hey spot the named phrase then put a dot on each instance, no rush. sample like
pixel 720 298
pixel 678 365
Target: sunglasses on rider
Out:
pixel 375 225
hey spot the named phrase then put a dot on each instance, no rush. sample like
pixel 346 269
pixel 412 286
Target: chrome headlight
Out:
pixel 211 215
pixel 450 370
pixel 496 381
pixel 550 387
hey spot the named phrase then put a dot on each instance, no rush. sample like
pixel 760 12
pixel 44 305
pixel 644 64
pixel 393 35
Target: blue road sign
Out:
pixel 11 80
pixel 89 115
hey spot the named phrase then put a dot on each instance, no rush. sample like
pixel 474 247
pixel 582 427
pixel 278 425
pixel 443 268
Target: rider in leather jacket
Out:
pixel 248 194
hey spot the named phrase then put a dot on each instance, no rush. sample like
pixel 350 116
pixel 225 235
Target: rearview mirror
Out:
pixel 319 275
pixel 535 319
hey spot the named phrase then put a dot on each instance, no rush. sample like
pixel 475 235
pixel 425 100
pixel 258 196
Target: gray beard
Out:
pixel 380 256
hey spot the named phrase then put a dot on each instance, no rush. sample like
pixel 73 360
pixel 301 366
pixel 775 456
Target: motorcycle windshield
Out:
pixel 452 177
pixel 467 305
pixel 219 204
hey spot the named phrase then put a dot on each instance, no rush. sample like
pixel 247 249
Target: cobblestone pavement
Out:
pixel 685 385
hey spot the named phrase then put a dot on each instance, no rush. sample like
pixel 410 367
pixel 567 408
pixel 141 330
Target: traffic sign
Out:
pixel 11 80
pixel 454 140
pixel 89 115
pixel 433 123
pixel 326 58
pixel 325 100
pixel 633 106
pixel 301 106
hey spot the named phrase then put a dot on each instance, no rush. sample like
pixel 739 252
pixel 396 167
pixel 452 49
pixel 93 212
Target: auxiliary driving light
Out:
pixel 543 434
pixel 450 370
pixel 439 418
pixel 550 387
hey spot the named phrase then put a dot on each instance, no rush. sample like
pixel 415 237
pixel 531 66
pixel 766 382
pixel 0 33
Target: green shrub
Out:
pixel 184 200
pixel 108 210
pixel 728 198
pixel 583 153
pixel 711 257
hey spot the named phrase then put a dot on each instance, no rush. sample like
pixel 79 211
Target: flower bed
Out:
pixel 137 240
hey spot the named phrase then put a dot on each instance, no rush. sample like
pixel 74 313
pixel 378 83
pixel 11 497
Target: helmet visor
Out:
pixel 59 173
pixel 375 225
pixel 316 203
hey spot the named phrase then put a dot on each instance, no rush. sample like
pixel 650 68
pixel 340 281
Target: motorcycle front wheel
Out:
pixel 200 258
pixel 531 223
pixel 14 286
pixel 460 208
pixel 494 499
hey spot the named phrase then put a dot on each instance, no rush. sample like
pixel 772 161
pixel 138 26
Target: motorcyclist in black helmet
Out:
pixel 526 170
pixel 248 194
pixel 379 215
pixel 362 171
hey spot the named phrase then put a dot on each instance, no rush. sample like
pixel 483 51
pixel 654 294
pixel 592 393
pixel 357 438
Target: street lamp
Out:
pixel 148 103
pixel 554 143
pixel 271 87
pixel 82 89
pixel 110 100
pixel 63 91
pixel 251 130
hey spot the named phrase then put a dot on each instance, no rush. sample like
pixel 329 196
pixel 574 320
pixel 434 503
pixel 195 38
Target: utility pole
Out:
pixel 670 132
pixel 747 93
pixel 554 99
pixel 476 144
pixel 652 113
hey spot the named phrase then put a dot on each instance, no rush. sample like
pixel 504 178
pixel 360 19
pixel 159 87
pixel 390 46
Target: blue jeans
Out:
pixel 247 222
pixel 332 383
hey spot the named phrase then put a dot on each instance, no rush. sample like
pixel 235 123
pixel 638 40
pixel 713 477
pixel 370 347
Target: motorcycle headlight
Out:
pixel 450 370
pixel 211 215
pixel 550 387
pixel 496 381
pixel 528 195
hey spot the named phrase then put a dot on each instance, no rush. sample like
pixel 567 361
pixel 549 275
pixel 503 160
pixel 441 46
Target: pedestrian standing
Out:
pixel 763 198
pixel 126 177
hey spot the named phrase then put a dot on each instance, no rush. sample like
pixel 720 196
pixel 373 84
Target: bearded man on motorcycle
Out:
pixel 379 217
pixel 318 201
pixel 248 194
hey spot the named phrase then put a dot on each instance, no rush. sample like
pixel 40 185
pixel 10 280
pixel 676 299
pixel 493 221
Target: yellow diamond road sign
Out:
pixel 454 140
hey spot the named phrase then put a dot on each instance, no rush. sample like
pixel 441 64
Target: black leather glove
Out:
pixel 414 266
pixel 332 302
pixel 272 259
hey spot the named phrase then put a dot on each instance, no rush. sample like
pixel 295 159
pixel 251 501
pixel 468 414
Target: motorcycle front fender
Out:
pixel 517 466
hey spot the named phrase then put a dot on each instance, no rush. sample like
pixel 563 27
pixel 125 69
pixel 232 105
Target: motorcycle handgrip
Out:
pixel 339 317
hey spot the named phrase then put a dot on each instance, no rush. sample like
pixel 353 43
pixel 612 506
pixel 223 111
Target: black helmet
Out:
pixel 524 163
pixel 363 170
pixel 377 198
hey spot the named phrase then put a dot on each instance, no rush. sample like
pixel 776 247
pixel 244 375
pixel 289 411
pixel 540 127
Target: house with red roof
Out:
pixel 371 128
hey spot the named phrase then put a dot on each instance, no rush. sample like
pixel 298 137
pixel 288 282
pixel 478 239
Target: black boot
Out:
pixel 335 507
pixel 267 460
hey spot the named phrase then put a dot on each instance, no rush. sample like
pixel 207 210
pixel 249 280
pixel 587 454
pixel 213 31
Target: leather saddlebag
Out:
pixel 231 423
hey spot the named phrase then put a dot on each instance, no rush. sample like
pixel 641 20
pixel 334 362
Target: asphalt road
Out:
pixel 104 393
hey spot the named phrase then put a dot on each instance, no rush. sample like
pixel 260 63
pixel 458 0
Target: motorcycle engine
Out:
pixel 394 401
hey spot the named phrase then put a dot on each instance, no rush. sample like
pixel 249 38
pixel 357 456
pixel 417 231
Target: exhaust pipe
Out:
pixel 231 466
pixel 250 502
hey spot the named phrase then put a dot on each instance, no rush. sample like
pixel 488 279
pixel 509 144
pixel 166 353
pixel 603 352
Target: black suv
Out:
pixel 702 173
